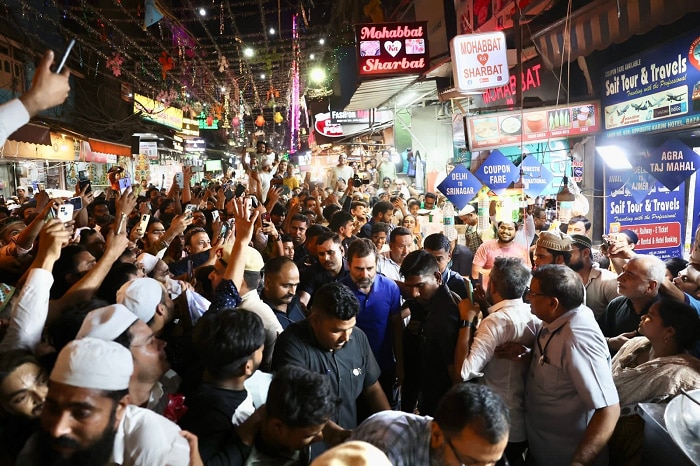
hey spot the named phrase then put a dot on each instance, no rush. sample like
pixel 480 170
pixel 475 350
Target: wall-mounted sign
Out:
pixel 385 49
pixel 158 112
pixel 653 212
pixel 541 124
pixel 195 145
pixel 149 149
pixel 190 127
pixel 479 61
pixel 361 116
pixel 655 90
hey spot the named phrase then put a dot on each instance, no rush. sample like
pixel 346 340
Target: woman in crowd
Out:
pixel 652 369
pixel 410 222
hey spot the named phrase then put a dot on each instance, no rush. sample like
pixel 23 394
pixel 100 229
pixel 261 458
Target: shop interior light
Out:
pixel 248 52
pixel 614 156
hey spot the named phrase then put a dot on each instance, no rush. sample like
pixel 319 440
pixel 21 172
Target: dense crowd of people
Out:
pixel 278 322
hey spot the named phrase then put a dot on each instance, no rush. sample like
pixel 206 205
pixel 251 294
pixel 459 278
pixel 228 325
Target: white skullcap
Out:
pixel 148 261
pixel 353 453
pixel 141 296
pixel 106 323
pixel 94 363
pixel 468 209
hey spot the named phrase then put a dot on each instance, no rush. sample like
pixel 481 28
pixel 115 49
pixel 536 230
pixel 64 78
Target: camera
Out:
pixel 357 181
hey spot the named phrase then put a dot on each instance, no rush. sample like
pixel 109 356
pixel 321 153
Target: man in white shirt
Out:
pixel 48 90
pixel 509 319
pixel 91 377
pixel 342 170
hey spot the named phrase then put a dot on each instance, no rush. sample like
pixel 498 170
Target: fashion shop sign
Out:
pixel 386 49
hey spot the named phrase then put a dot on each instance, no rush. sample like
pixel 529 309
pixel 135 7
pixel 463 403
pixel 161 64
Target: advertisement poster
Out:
pixel 639 203
pixel 479 61
pixel 542 124
pixel 655 90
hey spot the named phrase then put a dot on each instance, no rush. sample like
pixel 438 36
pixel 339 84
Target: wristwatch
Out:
pixel 466 323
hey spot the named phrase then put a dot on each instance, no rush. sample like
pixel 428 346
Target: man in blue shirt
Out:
pixel 380 314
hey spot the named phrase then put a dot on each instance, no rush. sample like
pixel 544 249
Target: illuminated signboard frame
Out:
pixel 390 49
pixel 157 112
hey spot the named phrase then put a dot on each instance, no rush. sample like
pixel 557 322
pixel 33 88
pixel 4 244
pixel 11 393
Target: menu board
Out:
pixel 512 128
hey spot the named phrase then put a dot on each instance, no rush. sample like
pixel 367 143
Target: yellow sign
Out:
pixel 158 112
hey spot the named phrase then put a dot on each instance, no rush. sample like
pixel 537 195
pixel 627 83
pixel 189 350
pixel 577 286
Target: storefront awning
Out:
pixel 604 22
pixel 374 92
pixel 32 133
pixel 121 150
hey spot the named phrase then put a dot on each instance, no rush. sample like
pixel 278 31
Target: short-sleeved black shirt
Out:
pixel 620 317
pixel 439 319
pixel 351 368
pixel 316 276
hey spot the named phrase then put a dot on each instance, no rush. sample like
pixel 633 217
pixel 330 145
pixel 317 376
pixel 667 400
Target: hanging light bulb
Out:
pixel 260 121
pixel 278 118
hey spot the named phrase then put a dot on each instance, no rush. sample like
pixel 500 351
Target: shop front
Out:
pixel 651 103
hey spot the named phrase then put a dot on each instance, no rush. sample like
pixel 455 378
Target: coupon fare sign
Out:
pixel 479 61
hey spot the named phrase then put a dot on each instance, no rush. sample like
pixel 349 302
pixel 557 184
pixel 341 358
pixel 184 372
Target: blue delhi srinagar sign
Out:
pixel 460 186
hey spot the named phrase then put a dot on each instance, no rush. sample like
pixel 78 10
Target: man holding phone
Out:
pixel 48 90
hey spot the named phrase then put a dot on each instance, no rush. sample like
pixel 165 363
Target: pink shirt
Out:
pixel 490 250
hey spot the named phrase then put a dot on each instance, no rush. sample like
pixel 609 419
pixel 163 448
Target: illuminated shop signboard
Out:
pixel 385 49
pixel 158 112
pixel 495 130
pixel 653 91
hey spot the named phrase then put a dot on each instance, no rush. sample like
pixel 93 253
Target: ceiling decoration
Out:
pixel 196 54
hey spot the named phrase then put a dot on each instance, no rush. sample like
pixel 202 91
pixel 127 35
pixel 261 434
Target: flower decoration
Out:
pixel 260 121
pixel 278 118
pixel 115 64
pixel 235 121
pixel 166 63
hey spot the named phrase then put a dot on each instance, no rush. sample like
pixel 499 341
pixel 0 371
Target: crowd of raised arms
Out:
pixel 277 322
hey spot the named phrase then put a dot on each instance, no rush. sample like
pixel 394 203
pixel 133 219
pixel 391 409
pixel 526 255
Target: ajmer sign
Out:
pixel 386 49
pixel 479 61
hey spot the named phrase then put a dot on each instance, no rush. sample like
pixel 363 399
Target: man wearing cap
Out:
pixel 116 323
pixel 601 284
pixel 87 418
pixel 468 216
pixel 552 247
pixel 638 285
pixel 503 245
pixel 149 300
pixel 250 301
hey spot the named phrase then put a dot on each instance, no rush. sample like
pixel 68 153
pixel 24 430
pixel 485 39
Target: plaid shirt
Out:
pixel 473 239
pixel 404 437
